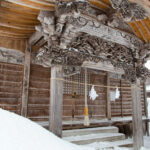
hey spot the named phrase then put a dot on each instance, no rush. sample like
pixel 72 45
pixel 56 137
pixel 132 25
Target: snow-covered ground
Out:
pixel 18 133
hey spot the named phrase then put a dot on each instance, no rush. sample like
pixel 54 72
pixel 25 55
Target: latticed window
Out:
pixel 76 84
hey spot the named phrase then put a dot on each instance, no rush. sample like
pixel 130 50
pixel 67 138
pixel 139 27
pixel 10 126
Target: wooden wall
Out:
pixel 39 92
pixel 11 87
pixel 12 43
pixel 123 105
pixel 73 102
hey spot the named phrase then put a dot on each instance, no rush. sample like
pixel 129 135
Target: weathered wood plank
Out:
pixel 56 99
pixel 26 81
pixel 137 115
pixel 108 111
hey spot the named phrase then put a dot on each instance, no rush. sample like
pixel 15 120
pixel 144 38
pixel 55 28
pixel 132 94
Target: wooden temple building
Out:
pixel 52 52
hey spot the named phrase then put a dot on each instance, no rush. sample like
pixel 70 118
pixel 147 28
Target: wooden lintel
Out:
pixel 35 37
pixel 24 106
pixel 56 99
pixel 108 98
pixel 137 115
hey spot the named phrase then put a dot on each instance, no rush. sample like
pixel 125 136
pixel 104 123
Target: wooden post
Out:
pixel 24 104
pixel 137 115
pixel 56 99
pixel 146 108
pixel 121 98
pixel 108 110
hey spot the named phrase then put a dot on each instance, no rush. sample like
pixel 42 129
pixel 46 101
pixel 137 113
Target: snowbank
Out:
pixel 18 133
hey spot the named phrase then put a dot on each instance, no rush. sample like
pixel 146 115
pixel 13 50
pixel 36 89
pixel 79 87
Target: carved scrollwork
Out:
pixel 73 39
pixel 128 11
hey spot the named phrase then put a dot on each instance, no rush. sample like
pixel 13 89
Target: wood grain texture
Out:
pixel 26 78
pixel 137 116
pixel 56 100
pixel 108 98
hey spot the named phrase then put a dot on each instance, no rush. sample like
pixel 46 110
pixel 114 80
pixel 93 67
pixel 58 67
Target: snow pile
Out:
pixel 18 133
pixel 143 148
pixel 105 146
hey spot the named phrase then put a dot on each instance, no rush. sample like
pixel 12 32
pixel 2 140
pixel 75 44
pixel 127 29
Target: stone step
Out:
pixel 127 143
pixel 122 143
pixel 86 131
pixel 91 138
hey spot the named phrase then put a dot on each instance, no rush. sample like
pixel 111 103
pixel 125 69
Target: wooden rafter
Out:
pixel 147 23
pixel 19 13
pixel 135 28
pixel 16 7
pixel 14 34
pixel 100 4
pixel 12 17
pixel 16 37
pixel 43 2
pixel 16 31
pixel 33 5
pixel 147 31
pixel 140 30
pixel 17 26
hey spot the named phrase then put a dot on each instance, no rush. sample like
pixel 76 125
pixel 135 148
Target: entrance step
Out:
pixel 128 143
pixel 87 131
pixel 100 137
pixel 91 138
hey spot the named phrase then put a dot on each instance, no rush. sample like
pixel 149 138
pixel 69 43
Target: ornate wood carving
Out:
pixel 128 11
pixel 11 56
pixel 75 35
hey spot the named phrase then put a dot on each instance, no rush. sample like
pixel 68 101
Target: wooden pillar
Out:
pixel 56 99
pixel 146 108
pixel 121 98
pixel 24 104
pixel 137 115
pixel 108 110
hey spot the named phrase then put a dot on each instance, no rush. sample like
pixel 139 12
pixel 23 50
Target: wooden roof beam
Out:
pixel 43 2
pixel 16 7
pixel 19 13
pixel 13 36
pixel 100 5
pixel 7 14
pixel 15 31
pixel 147 29
pixel 32 5
pixel 113 35
pixel 140 30
pixel 28 28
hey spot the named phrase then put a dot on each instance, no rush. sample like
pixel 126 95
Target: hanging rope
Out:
pixel 105 86
pixel 86 114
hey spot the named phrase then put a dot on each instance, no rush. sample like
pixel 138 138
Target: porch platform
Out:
pixel 74 124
